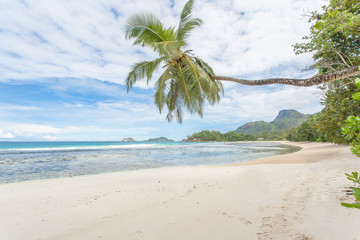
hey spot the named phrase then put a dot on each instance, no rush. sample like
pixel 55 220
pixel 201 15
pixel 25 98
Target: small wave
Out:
pixel 87 148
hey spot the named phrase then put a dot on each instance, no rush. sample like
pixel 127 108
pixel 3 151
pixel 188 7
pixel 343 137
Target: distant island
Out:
pixel 129 139
pixel 277 129
pixel 159 139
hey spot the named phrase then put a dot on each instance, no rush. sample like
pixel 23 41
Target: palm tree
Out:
pixel 187 80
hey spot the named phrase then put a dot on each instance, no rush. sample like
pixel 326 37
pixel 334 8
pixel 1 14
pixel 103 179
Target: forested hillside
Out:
pixel 278 129
pixel 286 120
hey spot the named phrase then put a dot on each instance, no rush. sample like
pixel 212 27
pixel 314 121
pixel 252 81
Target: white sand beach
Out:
pixel 293 196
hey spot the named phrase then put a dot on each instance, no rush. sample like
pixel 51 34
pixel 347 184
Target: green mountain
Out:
pixel 285 120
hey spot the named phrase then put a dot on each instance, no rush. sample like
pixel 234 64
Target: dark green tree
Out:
pixel 307 131
pixel 338 106
pixel 335 42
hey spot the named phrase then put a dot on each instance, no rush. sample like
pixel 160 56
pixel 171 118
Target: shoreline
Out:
pixel 139 169
pixel 289 196
pixel 309 152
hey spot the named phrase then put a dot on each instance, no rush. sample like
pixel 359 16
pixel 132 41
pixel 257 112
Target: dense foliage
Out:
pixel 255 128
pixel 352 133
pixel 334 36
pixel 335 41
pixel 307 131
pixel 222 137
pixel 338 106
pixel 352 128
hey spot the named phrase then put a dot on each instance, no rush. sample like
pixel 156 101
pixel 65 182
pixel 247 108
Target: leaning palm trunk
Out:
pixel 188 81
pixel 342 74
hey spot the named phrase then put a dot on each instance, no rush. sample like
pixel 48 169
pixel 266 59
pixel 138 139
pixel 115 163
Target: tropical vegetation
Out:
pixel 186 79
pixel 189 81
pixel 307 131
pixel 334 41
pixel 285 120
pixel 216 136
pixel 278 129
pixel 352 134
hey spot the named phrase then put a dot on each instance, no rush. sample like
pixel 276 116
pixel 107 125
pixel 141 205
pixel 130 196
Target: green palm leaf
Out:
pixel 203 80
pixel 169 49
pixel 209 71
pixel 185 28
pixel 186 23
pixel 351 205
pixel 193 82
pixel 215 87
pixel 160 87
pixel 184 87
pixel 141 70
pixel 147 30
pixel 174 103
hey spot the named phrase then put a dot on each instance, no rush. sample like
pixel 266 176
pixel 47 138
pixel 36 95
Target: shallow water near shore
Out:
pixel 21 161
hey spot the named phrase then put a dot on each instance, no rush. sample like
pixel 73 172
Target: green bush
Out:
pixel 352 133
pixel 356 191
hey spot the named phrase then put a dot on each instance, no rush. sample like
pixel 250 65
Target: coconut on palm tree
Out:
pixel 187 80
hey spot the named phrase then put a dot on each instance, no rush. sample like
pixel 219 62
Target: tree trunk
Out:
pixel 349 72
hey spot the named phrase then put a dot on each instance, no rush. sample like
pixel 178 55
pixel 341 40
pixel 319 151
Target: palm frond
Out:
pixel 174 103
pixel 215 88
pixel 185 28
pixel 169 49
pixel 205 66
pixel 184 86
pixel 147 29
pixel 195 91
pixel 186 23
pixel 186 12
pixel 160 87
pixel 195 72
pixel 197 86
pixel 141 70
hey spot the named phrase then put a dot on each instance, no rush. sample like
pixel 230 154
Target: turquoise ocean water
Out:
pixel 22 161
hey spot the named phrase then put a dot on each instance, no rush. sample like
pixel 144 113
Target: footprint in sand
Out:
pixel 241 219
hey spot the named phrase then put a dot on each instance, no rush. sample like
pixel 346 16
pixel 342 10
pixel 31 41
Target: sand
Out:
pixel 293 196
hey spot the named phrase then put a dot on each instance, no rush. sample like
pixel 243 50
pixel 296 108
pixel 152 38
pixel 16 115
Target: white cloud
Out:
pixel 242 37
pixel 85 39
pixel 6 135
pixel 29 129
pixel 262 103
pixel 13 107
pixel 42 131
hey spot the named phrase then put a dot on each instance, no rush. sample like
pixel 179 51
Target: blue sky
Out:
pixel 63 66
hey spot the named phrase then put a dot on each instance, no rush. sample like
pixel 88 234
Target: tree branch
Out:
pixel 345 73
